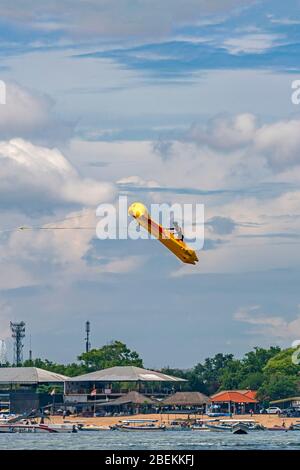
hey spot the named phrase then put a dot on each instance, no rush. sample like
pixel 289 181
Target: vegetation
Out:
pixel 269 371
pixel 113 354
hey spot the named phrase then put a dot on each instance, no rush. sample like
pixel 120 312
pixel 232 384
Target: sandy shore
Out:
pixel 266 420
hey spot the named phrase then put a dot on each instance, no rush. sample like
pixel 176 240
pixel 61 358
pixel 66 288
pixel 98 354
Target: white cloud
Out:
pixel 138 182
pixel 280 142
pixel 119 18
pixel 269 325
pixel 276 144
pixel 43 177
pixel 284 21
pixel 30 115
pixel 251 43
pixel 225 133
pixel 58 254
pixel 5 318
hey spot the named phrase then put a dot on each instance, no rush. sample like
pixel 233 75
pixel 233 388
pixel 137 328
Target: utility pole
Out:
pixel 87 338
pixel 30 350
pixel 18 334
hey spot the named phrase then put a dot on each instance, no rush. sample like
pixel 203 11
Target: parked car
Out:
pixel 291 412
pixel 273 410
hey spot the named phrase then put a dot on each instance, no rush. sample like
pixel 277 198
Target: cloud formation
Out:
pixel 278 142
pixel 38 178
pixel 104 18
pixel 30 115
pixel 269 325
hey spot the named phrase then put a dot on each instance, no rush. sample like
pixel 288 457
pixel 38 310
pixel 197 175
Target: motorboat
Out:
pixel 139 425
pixel 178 425
pixel 25 427
pixel 201 425
pixel 239 428
pixel 236 426
pixel 61 428
pixel 92 427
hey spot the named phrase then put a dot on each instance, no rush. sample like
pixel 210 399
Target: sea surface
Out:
pixel 168 440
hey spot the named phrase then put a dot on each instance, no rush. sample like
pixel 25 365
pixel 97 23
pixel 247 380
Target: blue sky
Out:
pixel 174 102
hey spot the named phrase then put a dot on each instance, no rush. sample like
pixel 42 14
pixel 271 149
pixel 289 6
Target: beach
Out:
pixel 267 421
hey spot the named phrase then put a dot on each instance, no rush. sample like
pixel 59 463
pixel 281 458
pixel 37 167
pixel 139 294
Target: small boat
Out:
pixel 278 428
pixel 139 425
pixel 178 425
pixel 92 427
pixel 61 428
pixel 201 425
pixel 36 428
pixel 295 426
pixel 218 427
pixel 24 428
pixel 239 428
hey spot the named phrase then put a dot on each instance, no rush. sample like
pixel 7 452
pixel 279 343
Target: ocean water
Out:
pixel 168 440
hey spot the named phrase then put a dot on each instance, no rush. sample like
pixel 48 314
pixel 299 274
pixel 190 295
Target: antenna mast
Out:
pixel 18 334
pixel 87 338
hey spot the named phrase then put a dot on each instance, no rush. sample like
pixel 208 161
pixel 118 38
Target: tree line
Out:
pixel 269 371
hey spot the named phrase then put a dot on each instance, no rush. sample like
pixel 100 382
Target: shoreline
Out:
pixel 267 421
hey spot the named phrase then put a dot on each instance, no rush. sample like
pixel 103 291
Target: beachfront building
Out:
pixel 131 403
pixel 292 402
pixel 234 402
pixel 186 402
pixel 19 388
pixel 85 392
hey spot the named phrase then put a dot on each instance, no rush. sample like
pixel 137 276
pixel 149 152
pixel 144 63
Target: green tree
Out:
pixel 70 370
pixel 282 363
pixel 278 386
pixel 209 374
pixel 113 354
pixel 232 375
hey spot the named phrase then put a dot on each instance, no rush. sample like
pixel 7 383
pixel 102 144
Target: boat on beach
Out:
pixel 24 428
pixel 92 427
pixel 139 425
pixel 32 427
pixel 178 425
pixel 240 428
pixel 235 426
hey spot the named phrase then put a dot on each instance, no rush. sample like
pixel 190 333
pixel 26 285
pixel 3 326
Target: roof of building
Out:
pixel 28 375
pixel 250 393
pixel 285 400
pixel 186 399
pixel 133 397
pixel 234 396
pixel 125 374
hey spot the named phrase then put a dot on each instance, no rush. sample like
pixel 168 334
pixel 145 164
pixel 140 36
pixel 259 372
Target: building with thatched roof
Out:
pixel 186 401
pixel 134 398
pixel 132 402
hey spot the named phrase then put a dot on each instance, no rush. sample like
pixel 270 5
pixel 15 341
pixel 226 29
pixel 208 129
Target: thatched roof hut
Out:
pixel 131 398
pixel 186 399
